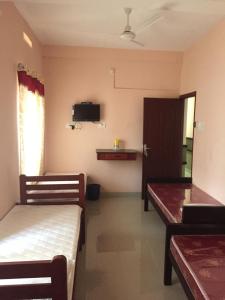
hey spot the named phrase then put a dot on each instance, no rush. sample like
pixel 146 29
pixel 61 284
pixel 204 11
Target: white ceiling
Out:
pixel 98 23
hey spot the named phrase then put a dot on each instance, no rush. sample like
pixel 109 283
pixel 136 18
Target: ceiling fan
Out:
pixel 130 35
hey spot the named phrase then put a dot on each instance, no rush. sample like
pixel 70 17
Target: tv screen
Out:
pixel 86 112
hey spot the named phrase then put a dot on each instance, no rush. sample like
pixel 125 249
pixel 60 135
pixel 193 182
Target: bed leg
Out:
pixel 59 278
pixel 145 204
pixel 80 243
pixel 82 231
pixel 167 262
pixel 83 228
pixel 145 200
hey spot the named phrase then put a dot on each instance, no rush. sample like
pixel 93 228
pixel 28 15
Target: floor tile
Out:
pixel 123 255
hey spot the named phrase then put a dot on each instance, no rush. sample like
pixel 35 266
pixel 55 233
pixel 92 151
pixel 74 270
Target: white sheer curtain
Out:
pixel 31 119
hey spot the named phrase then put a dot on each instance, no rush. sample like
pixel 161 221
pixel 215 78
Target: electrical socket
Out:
pixel 101 125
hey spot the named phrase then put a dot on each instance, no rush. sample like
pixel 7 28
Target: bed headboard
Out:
pixel 53 189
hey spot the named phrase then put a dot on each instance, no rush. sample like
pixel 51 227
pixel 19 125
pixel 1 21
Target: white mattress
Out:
pixel 31 232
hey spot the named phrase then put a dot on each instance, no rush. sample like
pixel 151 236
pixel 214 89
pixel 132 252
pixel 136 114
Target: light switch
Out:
pixel 200 125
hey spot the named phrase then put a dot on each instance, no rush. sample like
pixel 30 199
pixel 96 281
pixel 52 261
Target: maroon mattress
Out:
pixel 172 196
pixel 201 260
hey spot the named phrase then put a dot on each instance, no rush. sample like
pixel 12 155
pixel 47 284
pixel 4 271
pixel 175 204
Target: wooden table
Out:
pixel 118 154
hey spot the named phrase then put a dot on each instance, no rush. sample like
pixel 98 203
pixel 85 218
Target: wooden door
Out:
pixel 162 138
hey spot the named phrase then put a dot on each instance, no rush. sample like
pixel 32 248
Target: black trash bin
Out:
pixel 93 191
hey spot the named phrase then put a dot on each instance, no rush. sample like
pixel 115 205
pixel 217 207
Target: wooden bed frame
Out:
pixel 56 268
pixel 189 291
pixel 182 279
pixel 214 225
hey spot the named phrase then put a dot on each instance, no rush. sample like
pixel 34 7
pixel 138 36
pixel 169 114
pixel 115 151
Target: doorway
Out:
pixel 162 138
pixel 188 133
pixel 168 137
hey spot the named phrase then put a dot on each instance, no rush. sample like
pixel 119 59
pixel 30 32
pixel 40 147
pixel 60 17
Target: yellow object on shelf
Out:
pixel 116 144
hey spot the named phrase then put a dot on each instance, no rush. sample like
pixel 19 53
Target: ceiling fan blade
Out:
pixel 160 13
pixel 137 43
pixel 168 6
pixel 150 22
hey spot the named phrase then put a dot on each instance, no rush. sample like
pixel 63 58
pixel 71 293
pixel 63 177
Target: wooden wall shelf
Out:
pixel 120 154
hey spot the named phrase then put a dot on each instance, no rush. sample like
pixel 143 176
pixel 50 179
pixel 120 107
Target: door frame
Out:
pixel 152 98
pixel 183 97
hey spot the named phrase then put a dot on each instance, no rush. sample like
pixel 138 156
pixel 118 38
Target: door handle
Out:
pixel 145 150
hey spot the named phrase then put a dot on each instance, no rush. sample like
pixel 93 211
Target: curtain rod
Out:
pixel 23 67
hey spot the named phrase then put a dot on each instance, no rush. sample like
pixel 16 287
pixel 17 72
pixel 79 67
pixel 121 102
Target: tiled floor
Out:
pixel 123 256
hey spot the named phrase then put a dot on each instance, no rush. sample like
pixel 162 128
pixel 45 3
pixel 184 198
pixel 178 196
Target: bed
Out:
pixel 199 262
pixel 51 173
pixel 184 209
pixel 40 238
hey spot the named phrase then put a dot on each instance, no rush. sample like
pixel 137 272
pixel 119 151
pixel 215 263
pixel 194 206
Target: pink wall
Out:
pixel 78 74
pixel 204 71
pixel 13 50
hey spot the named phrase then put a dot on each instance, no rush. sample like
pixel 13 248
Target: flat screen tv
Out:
pixel 85 112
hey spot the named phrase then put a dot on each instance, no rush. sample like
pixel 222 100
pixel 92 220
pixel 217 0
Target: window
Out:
pixel 30 124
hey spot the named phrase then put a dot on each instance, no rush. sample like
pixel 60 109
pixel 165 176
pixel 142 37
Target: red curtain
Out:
pixel 33 84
